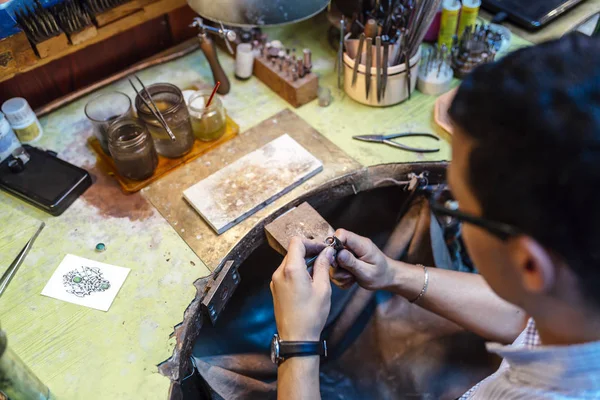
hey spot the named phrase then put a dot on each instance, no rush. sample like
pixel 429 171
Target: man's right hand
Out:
pixel 370 267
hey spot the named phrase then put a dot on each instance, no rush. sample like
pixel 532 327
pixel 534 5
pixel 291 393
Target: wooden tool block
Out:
pixel 303 221
pixel 296 93
pixel 237 191
pixel 83 35
pixel 117 13
pixel 52 46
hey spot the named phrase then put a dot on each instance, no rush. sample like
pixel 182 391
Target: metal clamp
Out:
pixel 224 282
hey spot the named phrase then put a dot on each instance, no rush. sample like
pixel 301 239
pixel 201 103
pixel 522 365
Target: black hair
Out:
pixel 534 117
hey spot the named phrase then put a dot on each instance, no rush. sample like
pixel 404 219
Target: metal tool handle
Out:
pixel 14 267
pixel 357 58
pixel 408 148
pixel 411 134
pixel 208 48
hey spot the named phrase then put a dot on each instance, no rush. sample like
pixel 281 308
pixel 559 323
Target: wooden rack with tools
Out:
pixel 297 84
pixel 18 54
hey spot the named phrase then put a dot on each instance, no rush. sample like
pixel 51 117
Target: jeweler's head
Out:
pixel 526 152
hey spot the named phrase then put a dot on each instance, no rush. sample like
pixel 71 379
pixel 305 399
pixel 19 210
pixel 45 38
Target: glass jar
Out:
pixel 102 110
pixel 208 123
pixel 132 149
pixel 170 102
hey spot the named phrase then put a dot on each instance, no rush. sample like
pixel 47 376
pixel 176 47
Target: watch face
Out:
pixel 275 349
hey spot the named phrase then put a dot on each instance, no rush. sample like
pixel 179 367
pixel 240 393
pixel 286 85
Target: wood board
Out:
pixel 167 193
pixel 237 191
pixel 302 221
pixel 165 165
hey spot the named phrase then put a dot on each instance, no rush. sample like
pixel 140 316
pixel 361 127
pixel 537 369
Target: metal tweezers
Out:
pixel 387 139
pixel 152 106
pixel 14 267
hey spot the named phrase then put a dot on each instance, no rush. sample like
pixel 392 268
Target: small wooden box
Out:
pixel 296 93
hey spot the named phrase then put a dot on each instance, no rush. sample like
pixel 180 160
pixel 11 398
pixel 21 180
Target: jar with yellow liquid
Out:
pixel 208 123
pixel 170 102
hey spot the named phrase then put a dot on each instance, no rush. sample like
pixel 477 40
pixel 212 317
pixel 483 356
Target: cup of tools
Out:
pixel 392 90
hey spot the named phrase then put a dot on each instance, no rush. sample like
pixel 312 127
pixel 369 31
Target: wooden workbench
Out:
pixel 81 353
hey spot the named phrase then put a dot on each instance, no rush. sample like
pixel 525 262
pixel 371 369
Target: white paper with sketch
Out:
pixel 237 191
pixel 86 282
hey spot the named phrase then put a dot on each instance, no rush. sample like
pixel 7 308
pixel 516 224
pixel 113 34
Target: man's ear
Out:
pixel 534 264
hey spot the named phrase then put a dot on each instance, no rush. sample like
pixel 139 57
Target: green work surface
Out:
pixel 82 353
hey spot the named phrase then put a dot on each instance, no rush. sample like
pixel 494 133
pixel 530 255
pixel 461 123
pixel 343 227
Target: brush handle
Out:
pixel 208 48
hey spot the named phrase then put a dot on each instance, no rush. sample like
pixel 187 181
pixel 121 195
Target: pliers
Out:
pixel 387 139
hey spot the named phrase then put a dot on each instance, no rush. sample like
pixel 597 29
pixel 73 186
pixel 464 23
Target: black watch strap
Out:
pixel 294 349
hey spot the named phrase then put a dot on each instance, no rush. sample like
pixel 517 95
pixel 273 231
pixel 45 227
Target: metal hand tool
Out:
pixel 407 61
pixel 378 67
pixel 341 52
pixel 331 241
pixel 368 66
pixel 357 59
pixel 14 267
pixel 384 78
pixel 152 106
pixel 387 139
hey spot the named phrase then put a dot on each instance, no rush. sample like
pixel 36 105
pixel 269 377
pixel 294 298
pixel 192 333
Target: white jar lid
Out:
pixel 17 111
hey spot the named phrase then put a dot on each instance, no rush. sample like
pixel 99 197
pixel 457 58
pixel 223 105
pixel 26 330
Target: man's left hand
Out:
pixel 302 302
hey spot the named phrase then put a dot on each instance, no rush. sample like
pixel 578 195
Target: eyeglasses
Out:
pixel 442 204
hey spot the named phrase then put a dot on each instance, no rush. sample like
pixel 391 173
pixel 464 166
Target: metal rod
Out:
pixel 152 106
pixel 341 52
pixel 14 267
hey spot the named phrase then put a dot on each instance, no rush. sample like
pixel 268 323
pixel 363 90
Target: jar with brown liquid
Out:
pixel 208 123
pixel 170 102
pixel 132 149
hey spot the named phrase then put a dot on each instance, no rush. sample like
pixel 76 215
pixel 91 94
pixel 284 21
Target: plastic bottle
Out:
pixel 468 15
pixel 8 139
pixel 449 22
pixel 22 119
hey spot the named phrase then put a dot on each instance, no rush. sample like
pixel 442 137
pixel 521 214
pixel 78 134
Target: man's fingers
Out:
pixel 339 274
pixel 313 247
pixel 322 264
pixel 359 245
pixel 346 260
pixel 295 256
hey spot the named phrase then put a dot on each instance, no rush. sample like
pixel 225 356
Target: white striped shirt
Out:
pixel 532 371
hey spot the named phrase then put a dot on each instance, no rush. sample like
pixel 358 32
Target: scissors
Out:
pixel 387 139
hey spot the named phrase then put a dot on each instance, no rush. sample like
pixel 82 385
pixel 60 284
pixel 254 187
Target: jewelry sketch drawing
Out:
pixel 85 281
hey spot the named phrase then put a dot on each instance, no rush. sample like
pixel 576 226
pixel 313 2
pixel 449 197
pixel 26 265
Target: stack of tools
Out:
pixel 290 65
pixel 47 28
pixel 94 7
pixel 37 23
pixel 435 71
pixel 71 16
pixel 478 45
pixel 286 71
pixel 381 50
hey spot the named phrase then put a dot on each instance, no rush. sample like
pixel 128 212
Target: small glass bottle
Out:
pixel 22 119
pixel 208 123
pixel 8 140
pixel 103 110
pixel 170 102
pixel 132 149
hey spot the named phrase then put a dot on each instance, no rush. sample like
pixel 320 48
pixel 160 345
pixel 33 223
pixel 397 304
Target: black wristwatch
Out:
pixel 281 351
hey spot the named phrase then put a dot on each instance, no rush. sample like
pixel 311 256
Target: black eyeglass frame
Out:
pixel 499 229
